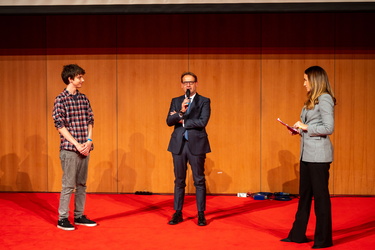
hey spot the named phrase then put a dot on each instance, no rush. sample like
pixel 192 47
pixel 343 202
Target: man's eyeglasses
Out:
pixel 188 83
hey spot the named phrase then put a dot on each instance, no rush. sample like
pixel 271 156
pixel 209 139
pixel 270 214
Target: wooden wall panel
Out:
pixel 23 127
pixel 225 54
pixel 93 48
pixel 355 73
pixel 150 62
pixel 23 159
pixel 290 44
pixel 133 65
pixel 354 149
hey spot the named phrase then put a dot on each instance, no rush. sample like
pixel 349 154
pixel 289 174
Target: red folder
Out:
pixel 293 130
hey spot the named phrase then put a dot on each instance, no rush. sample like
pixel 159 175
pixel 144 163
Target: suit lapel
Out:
pixel 195 101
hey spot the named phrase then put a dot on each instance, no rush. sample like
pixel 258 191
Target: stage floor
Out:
pixel 128 221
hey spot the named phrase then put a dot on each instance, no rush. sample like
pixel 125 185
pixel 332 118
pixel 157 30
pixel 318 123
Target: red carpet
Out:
pixel 140 222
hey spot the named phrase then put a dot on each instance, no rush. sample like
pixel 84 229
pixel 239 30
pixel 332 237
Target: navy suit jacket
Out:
pixel 195 121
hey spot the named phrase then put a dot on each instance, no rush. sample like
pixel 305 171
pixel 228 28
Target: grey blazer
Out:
pixel 315 143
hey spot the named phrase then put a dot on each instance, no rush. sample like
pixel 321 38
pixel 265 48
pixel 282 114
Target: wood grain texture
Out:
pixel 355 71
pixel 23 159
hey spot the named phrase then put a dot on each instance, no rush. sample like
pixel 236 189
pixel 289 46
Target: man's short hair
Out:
pixel 190 74
pixel 71 70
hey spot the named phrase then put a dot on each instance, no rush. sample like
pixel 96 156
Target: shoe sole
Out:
pixel 66 228
pixel 202 223
pixel 87 225
pixel 175 223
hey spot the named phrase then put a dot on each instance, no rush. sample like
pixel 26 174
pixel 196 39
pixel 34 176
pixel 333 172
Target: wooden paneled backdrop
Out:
pixel 250 65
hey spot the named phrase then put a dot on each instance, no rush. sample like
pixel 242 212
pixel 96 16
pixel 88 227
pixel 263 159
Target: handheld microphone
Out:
pixel 188 96
pixel 188 93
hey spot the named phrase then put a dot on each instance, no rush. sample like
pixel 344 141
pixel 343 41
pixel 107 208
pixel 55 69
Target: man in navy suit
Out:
pixel 189 114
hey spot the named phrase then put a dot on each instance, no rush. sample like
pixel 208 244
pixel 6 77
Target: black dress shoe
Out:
pixel 289 240
pixel 201 219
pixel 318 247
pixel 286 240
pixel 176 218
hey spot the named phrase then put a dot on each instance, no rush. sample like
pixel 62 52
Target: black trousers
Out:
pixel 313 183
pixel 180 167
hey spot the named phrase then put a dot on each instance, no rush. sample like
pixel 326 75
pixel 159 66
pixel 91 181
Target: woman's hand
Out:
pixel 300 125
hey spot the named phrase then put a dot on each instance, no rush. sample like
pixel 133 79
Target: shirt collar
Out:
pixel 69 94
pixel 192 97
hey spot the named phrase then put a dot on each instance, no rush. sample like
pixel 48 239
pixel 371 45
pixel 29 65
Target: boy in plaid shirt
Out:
pixel 74 119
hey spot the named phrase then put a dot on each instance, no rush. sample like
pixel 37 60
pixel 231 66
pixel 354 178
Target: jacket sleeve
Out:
pixel 175 118
pixel 325 124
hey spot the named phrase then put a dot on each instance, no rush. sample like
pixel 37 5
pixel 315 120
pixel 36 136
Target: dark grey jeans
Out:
pixel 74 166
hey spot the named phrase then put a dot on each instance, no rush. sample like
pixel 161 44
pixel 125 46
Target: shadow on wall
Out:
pixel 11 179
pixel 130 163
pixel 107 180
pixel 35 165
pixel 288 165
pixel 217 181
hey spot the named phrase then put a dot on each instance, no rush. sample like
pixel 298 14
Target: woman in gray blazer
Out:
pixel 316 155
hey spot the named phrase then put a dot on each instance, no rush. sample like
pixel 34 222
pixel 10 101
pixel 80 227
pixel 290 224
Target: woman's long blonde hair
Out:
pixel 319 84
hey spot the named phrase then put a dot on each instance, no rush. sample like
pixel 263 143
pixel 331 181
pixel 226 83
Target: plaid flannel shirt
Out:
pixel 75 114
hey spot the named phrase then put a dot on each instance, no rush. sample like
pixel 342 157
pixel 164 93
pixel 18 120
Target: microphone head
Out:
pixel 188 93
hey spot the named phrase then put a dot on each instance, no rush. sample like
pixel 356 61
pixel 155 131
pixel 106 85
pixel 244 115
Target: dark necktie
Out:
pixel 187 112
